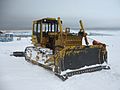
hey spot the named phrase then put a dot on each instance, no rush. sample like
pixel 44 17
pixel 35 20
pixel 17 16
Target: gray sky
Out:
pixel 19 14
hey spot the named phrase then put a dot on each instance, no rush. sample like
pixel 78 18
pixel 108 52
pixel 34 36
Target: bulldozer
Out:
pixel 63 52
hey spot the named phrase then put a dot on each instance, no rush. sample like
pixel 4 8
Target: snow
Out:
pixel 18 74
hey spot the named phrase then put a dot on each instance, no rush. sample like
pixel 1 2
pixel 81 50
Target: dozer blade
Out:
pixel 82 60
pixel 78 58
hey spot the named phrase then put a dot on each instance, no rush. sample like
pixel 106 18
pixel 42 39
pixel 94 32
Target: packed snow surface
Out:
pixel 18 74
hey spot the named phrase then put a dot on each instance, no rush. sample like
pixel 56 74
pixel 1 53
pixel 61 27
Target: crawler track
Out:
pixel 70 74
pixel 88 70
pixel 65 76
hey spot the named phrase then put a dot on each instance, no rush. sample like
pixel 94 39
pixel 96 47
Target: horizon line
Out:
pixel 72 28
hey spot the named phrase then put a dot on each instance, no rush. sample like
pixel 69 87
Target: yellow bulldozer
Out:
pixel 62 51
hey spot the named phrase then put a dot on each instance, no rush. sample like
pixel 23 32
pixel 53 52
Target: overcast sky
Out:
pixel 19 14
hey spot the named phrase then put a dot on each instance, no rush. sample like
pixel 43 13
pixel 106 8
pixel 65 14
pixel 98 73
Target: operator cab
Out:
pixel 45 31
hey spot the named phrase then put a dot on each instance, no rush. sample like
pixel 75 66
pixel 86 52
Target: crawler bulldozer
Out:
pixel 63 52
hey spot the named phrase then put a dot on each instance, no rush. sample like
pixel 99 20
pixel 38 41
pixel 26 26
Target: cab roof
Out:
pixel 47 20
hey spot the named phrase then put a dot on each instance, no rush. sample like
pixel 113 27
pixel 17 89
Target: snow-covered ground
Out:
pixel 18 74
